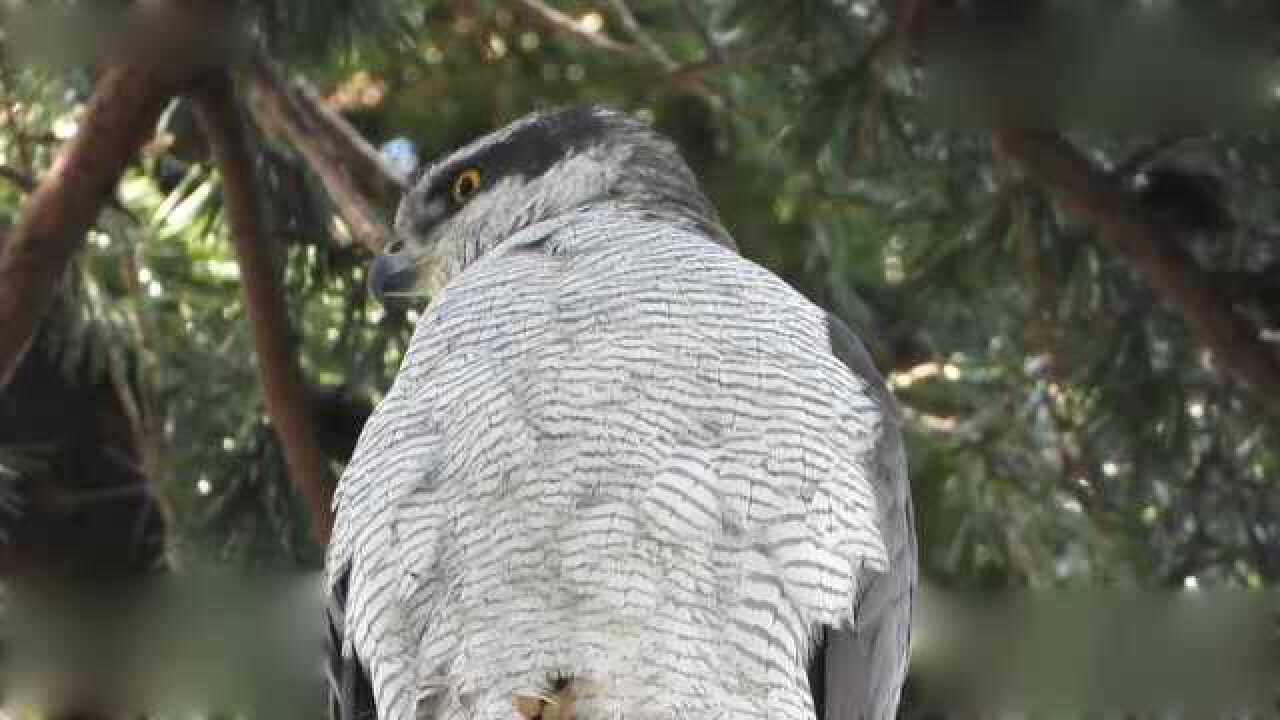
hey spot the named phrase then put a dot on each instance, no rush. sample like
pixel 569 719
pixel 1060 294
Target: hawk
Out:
pixel 622 472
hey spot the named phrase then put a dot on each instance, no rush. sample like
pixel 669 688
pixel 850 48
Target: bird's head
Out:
pixel 540 166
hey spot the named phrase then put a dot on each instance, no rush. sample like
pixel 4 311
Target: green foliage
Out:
pixel 1065 429
pixel 310 29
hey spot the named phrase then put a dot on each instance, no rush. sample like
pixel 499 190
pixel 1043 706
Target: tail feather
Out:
pixel 350 693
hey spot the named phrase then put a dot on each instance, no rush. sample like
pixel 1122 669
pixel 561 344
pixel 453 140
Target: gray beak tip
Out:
pixel 391 276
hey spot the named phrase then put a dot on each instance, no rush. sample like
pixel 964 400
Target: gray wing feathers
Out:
pixel 350 696
pixel 866 666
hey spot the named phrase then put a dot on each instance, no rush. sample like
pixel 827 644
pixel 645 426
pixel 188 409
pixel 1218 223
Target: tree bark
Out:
pixel 351 170
pixel 1152 250
pixel 120 117
pixel 283 388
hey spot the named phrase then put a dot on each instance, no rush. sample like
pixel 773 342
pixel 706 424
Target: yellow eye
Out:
pixel 466 185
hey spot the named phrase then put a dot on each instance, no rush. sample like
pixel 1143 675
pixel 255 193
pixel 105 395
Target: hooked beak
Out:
pixel 393 276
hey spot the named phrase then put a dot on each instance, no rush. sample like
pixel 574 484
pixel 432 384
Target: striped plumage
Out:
pixel 617 451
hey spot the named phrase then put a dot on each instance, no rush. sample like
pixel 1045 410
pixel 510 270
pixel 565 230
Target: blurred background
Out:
pixel 1056 225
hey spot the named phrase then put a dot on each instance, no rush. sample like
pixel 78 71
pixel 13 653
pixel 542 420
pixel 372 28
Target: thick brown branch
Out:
pixel 120 117
pixel 284 392
pixel 353 173
pixel 1150 249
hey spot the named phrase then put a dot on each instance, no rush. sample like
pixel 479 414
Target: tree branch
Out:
pixel 1145 154
pixel 1150 249
pixel 908 26
pixel 655 50
pixel 349 168
pixel 690 74
pixel 120 117
pixel 284 391
pixel 715 53
pixel 558 22
pixel 25 182
pixel 686 76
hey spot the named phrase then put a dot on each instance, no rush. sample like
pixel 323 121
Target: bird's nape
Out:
pixel 542 167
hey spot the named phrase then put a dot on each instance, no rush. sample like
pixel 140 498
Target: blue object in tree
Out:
pixel 402 155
